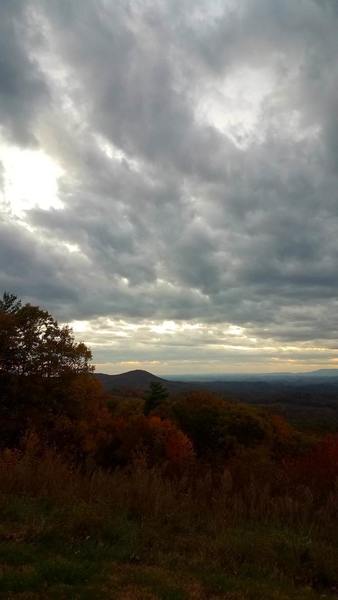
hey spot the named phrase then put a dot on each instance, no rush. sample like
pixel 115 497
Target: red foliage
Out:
pixel 81 429
pixel 157 440
pixel 317 468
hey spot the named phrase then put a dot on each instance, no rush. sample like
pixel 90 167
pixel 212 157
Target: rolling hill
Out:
pixel 138 380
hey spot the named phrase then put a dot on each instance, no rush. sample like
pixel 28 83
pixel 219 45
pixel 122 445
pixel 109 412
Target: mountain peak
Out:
pixel 137 379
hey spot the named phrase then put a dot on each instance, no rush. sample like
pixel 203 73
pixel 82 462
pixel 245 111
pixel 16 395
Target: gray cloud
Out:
pixel 23 90
pixel 175 212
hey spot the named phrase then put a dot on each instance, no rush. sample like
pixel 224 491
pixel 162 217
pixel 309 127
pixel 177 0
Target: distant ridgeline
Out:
pixel 308 400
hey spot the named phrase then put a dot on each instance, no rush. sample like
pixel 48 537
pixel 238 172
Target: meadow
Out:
pixel 137 534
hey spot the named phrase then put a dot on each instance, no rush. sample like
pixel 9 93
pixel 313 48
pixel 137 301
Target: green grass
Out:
pixel 78 550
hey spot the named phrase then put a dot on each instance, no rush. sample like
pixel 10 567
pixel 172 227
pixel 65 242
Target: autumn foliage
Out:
pixel 317 468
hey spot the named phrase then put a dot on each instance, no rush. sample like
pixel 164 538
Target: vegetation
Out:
pixel 155 397
pixel 138 533
pixel 32 343
pixel 170 497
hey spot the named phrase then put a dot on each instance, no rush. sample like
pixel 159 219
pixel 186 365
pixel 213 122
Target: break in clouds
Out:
pixel 169 178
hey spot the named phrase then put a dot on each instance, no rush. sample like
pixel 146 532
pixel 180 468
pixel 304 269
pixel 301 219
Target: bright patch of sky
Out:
pixel 234 106
pixel 119 345
pixel 30 179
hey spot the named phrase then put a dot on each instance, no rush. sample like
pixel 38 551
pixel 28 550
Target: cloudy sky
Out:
pixel 169 178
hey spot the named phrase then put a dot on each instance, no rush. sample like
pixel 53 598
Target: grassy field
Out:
pixel 138 536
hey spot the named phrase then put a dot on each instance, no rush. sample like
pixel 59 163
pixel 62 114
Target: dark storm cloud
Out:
pixel 31 269
pixel 168 216
pixel 23 91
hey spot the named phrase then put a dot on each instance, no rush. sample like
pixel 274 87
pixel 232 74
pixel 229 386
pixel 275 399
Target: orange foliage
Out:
pixel 158 440
pixel 281 427
pixel 83 426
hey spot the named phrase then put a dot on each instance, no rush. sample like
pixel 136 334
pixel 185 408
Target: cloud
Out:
pixel 23 90
pixel 198 143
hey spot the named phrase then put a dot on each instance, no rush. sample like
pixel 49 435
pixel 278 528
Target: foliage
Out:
pixel 84 424
pixel 219 428
pixel 32 343
pixel 155 397
pixel 136 533
pixel 150 439
pixel 39 361
pixel 317 468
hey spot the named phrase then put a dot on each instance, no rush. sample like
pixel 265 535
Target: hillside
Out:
pixel 137 380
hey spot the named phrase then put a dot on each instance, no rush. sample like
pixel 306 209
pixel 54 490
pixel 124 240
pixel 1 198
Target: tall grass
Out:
pixel 195 498
pixel 244 543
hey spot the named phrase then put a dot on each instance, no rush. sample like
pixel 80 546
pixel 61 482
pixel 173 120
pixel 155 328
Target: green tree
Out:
pixel 156 395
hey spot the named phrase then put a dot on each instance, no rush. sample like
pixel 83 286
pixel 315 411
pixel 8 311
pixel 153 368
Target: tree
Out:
pixel 156 441
pixel 39 361
pixel 317 468
pixel 32 343
pixel 156 395
pixel 220 428
pixel 9 303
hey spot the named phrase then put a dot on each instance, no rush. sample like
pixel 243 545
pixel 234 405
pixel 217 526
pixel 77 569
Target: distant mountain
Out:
pixel 308 400
pixel 136 380
pixel 256 377
pixel 141 380
pixel 322 373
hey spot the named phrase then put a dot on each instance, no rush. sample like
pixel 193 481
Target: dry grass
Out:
pixel 137 534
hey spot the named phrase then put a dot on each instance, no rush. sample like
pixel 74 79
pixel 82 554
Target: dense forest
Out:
pixel 169 493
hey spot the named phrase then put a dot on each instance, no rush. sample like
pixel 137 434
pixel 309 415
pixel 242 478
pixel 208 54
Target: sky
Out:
pixel 169 178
